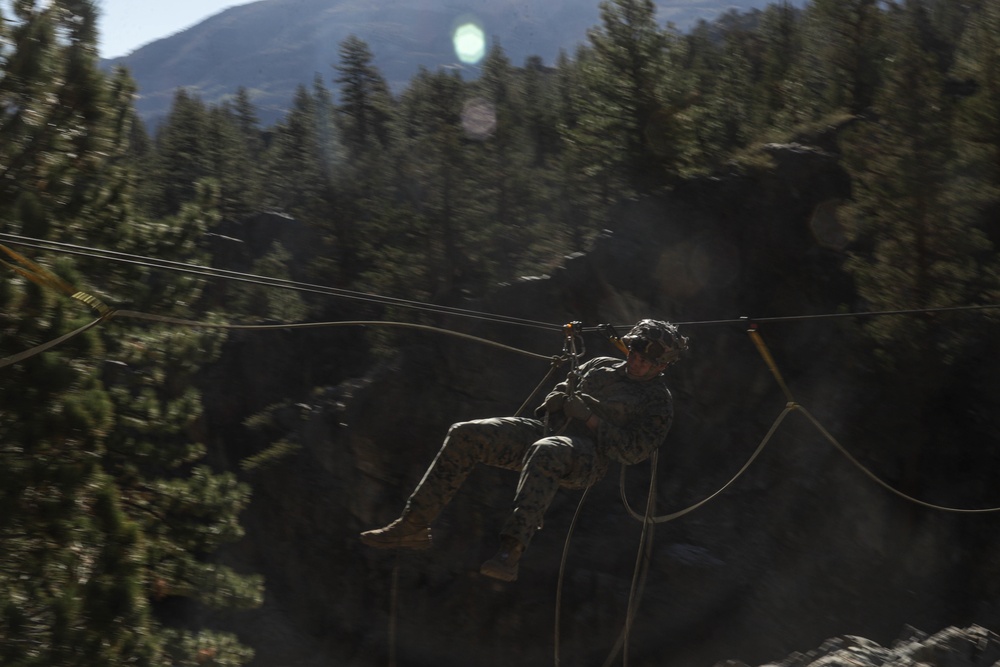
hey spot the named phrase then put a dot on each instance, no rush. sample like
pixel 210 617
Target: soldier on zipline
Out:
pixel 607 410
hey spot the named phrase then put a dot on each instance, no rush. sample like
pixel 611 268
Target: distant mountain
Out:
pixel 271 46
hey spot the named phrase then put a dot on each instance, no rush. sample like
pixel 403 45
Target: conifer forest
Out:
pixel 112 502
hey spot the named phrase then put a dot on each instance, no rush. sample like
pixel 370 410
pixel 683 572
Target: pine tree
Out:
pixel 298 164
pixel 434 143
pixel 363 114
pixel 919 245
pixel 235 145
pixel 978 64
pixel 266 302
pixel 539 157
pixel 949 20
pixel 183 157
pixel 493 119
pixel 541 123
pixel 99 496
pixel 846 40
pixel 634 103
pixel 782 35
pixel 583 179
pixel 731 104
pixel 247 121
pixel 363 119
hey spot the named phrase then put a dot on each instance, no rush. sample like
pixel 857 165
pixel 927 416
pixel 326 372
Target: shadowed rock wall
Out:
pixel 801 548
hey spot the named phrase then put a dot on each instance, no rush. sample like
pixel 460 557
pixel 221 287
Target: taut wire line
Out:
pixel 38 274
pixel 266 281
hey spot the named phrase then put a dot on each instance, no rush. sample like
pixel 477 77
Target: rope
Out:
pixel 562 572
pixel 267 281
pixel 640 573
pixel 300 325
pixel 824 316
pixel 556 362
pixel 38 349
pixel 676 515
pixel 195 269
pixel 790 407
pixel 41 276
pixel 645 542
pixel 393 609
pixel 769 360
pixel 350 323
pixel 826 434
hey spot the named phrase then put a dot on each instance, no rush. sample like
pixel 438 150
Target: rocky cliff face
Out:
pixel 952 647
pixel 801 548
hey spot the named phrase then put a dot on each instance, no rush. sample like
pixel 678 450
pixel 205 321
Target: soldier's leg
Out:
pixel 501 442
pixel 498 442
pixel 551 462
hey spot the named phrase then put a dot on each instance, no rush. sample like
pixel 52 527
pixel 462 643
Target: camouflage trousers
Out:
pixel 513 443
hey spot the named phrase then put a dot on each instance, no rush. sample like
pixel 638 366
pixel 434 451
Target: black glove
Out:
pixel 576 407
pixel 552 403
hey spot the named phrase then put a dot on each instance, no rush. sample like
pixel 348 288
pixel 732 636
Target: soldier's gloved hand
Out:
pixel 553 403
pixel 576 407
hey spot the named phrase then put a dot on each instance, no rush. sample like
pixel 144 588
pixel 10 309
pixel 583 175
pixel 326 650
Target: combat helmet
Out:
pixel 656 340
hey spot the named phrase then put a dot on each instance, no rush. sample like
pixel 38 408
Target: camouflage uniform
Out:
pixel 634 419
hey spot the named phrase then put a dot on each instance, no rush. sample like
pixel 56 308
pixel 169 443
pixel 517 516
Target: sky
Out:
pixel 128 24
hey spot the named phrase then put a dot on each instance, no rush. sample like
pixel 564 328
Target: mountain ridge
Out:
pixel 293 41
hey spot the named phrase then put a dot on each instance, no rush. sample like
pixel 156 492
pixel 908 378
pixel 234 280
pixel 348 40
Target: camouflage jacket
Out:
pixel 635 416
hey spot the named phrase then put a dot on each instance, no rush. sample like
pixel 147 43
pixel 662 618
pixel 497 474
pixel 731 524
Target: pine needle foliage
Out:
pixel 106 508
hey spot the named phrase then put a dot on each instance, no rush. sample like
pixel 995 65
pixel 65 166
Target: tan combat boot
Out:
pixel 503 565
pixel 403 533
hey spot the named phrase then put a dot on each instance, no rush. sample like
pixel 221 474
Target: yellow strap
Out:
pixel 102 308
pixel 769 360
pixel 41 276
pixel 620 345
pixel 35 272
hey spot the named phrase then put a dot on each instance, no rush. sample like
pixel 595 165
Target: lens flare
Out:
pixel 470 42
pixel 827 225
pixel 479 118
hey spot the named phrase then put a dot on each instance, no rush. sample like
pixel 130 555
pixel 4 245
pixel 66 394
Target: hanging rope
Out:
pixel 556 363
pixel 833 441
pixel 769 360
pixel 645 542
pixel 687 510
pixel 562 573
pixel 792 406
pixel 38 349
pixel 393 607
